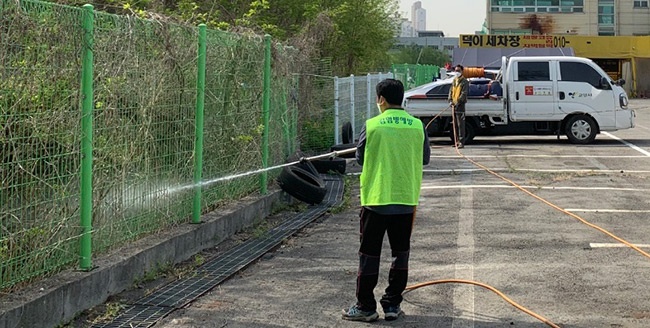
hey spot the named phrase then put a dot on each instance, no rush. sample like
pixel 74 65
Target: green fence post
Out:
pixel 198 145
pixel 265 112
pixel 86 199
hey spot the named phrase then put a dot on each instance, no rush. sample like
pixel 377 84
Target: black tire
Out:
pixel 302 185
pixel 344 147
pixel 580 129
pixel 306 165
pixel 470 133
pixel 326 165
pixel 346 132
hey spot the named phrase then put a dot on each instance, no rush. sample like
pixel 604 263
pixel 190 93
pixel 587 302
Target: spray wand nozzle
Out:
pixel 329 155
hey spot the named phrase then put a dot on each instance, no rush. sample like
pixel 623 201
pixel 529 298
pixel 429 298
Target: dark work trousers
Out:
pixel 373 228
pixel 459 121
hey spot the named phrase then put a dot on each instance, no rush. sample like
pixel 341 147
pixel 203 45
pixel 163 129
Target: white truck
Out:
pixel 531 96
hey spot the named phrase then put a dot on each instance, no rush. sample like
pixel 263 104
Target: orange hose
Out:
pixel 488 287
pixel 436 116
pixel 473 72
pixel 575 216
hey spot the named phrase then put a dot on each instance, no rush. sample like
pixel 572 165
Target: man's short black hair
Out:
pixel 460 66
pixel 392 90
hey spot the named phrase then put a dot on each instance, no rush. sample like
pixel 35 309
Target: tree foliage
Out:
pixel 357 35
pixel 415 54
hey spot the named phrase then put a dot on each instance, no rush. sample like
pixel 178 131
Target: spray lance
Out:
pixel 327 155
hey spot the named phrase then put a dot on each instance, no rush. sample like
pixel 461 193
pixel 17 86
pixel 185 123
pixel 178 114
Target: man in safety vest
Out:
pixel 457 99
pixel 392 149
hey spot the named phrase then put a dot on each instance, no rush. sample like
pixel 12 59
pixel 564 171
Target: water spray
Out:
pixel 244 174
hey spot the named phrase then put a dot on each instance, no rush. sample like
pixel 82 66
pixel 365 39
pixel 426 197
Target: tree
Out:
pixel 415 54
pixel 358 39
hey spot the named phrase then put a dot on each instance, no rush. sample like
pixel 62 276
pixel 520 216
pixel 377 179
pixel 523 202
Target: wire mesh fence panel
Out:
pixel 315 94
pixel 40 46
pixel 362 90
pixel 145 96
pixel 233 114
pixel 357 100
pixel 144 125
pixel 345 102
pixel 284 107
pixel 413 75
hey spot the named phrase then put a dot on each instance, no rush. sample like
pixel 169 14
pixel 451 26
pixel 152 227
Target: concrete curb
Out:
pixel 60 298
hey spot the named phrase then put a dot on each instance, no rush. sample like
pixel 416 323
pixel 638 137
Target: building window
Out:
pixel 606 13
pixel 606 31
pixel 640 4
pixel 519 6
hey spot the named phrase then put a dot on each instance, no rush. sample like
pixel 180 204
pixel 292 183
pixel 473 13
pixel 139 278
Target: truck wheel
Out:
pixel 470 133
pixel 580 129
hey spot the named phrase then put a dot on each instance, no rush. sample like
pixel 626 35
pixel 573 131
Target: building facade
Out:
pixel 574 17
pixel 613 33
pixel 418 17
pixel 406 29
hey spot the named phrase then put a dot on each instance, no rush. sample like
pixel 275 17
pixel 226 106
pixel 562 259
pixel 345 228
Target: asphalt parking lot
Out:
pixel 473 225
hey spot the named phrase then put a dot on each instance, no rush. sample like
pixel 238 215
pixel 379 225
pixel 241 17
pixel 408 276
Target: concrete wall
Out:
pixel 632 21
pixel 58 299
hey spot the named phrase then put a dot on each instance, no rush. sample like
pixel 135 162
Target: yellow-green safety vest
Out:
pixel 392 162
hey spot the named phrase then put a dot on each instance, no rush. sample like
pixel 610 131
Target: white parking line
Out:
pixel 431 187
pixel 464 268
pixel 537 156
pixel 535 170
pixel 615 245
pixel 635 147
pixel 643 127
pixel 605 210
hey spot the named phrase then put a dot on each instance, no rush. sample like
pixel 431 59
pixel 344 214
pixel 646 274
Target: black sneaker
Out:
pixel 354 313
pixel 392 312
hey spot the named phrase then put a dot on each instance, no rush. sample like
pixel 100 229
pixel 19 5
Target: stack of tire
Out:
pixel 303 180
pixel 348 141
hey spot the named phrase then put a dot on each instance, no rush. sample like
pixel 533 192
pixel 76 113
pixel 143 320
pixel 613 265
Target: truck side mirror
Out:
pixel 620 82
pixel 604 83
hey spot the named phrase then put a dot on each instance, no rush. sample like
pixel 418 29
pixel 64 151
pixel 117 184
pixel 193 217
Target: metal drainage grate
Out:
pixel 146 311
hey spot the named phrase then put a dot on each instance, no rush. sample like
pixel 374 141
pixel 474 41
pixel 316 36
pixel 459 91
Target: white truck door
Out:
pixel 531 94
pixel 580 90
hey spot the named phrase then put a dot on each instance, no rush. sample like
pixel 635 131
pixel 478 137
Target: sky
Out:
pixel 453 17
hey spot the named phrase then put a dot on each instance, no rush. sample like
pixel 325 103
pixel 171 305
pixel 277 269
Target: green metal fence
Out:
pixel 413 75
pixel 107 122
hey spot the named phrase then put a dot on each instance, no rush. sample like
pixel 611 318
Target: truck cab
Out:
pixel 573 91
